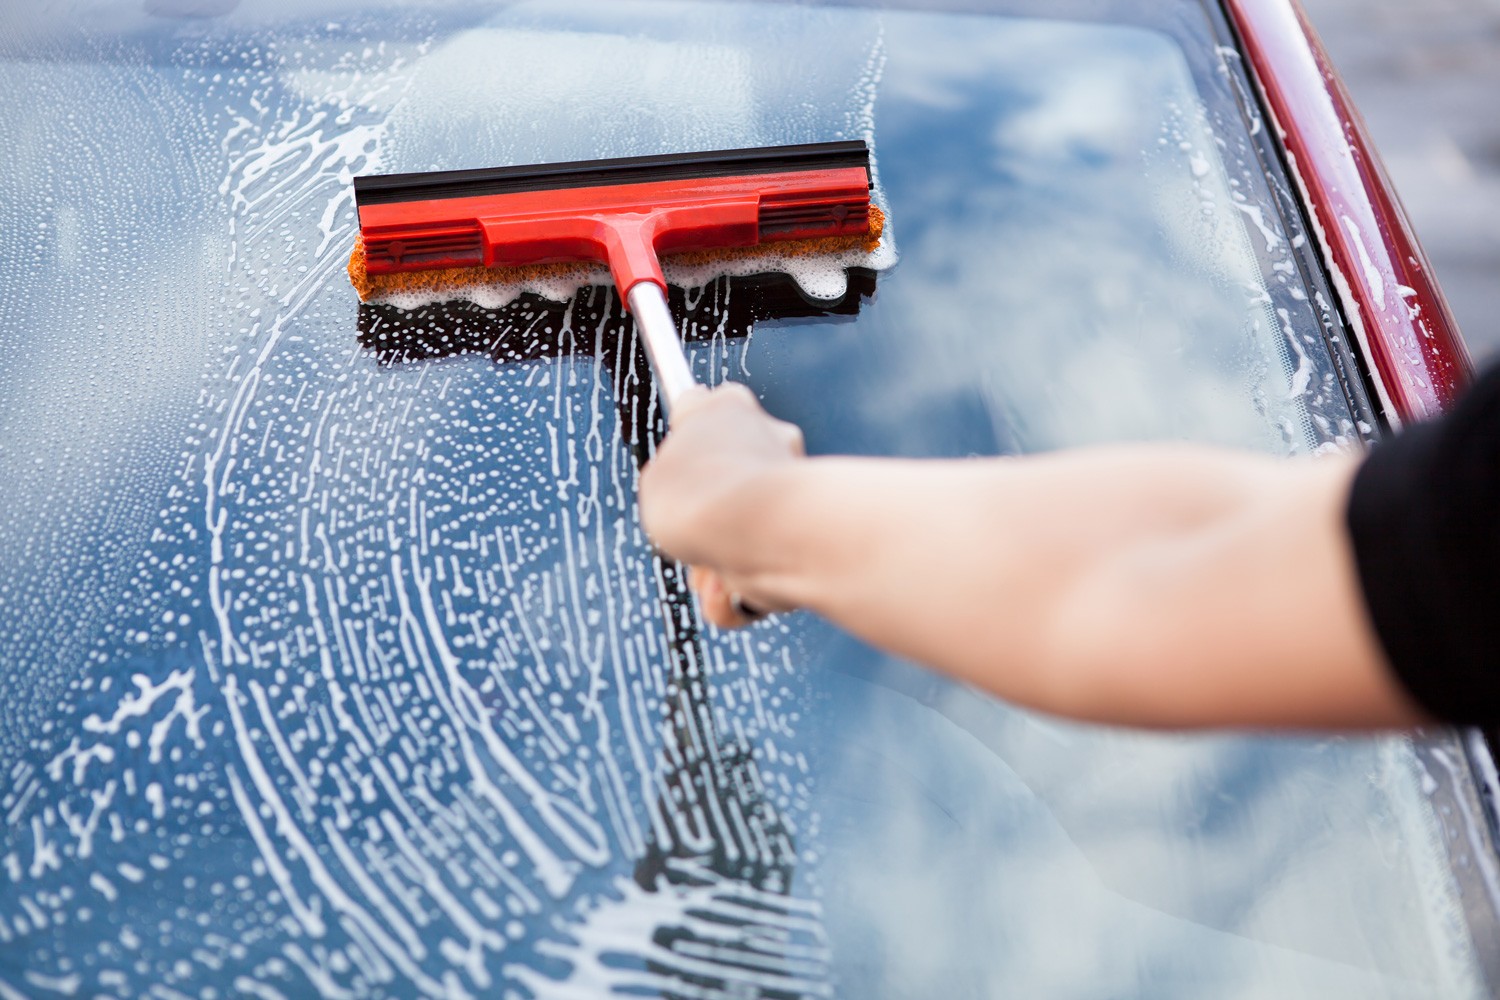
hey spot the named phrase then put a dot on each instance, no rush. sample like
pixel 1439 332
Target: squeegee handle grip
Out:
pixel 658 333
pixel 670 365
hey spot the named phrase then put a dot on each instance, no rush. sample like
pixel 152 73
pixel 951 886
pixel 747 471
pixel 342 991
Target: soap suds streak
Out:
pixel 395 735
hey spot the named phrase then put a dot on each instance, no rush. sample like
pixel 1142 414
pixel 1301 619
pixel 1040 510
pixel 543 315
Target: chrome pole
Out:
pixel 663 347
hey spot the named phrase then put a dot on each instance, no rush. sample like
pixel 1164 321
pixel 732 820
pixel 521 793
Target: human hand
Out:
pixel 705 495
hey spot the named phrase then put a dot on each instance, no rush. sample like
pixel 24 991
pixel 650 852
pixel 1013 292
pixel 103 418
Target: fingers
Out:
pixel 699 397
pixel 706 489
pixel 738 399
pixel 719 605
pixel 691 399
pixel 791 434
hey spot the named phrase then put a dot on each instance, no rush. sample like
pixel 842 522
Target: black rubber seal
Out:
pixel 384 189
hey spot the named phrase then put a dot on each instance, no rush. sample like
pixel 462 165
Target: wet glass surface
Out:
pixel 335 662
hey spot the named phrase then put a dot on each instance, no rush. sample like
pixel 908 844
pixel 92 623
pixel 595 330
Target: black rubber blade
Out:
pixel 383 189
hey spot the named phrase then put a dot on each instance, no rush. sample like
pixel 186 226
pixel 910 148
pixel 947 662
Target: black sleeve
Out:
pixel 1424 518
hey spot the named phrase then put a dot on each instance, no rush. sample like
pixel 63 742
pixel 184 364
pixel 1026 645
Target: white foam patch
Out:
pixel 824 277
pixel 821 277
pixel 494 295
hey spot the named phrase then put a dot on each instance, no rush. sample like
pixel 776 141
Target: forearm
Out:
pixel 1146 585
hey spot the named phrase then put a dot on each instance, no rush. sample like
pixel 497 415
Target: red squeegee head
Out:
pixel 623 213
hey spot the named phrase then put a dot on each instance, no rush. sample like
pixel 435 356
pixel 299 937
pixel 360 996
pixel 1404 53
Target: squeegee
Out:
pixel 450 228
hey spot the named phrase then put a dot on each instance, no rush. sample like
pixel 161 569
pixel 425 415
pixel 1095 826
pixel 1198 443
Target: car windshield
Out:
pixel 335 661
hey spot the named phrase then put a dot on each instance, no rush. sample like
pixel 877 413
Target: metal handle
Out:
pixel 670 364
pixel 663 347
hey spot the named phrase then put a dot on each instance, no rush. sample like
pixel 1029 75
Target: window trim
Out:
pixel 1392 302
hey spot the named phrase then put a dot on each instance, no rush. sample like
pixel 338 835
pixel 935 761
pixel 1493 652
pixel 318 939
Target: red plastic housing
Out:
pixel 623 225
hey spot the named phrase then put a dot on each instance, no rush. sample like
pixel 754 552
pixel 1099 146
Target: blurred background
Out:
pixel 1426 75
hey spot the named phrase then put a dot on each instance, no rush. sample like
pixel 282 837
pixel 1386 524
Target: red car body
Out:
pixel 1392 301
